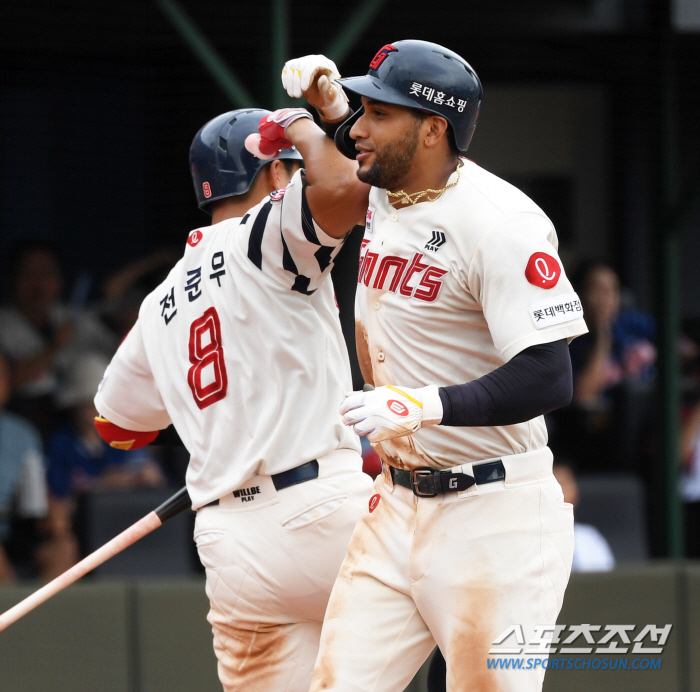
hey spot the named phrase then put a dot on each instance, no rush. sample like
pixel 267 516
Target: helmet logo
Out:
pixel 194 238
pixel 543 270
pixel 380 57
pixel 207 190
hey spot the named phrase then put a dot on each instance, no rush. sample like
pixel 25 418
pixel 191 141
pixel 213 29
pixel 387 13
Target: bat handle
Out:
pixel 172 506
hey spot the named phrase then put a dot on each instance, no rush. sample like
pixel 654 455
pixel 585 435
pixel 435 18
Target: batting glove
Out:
pixel 314 77
pixel 270 140
pixel 387 412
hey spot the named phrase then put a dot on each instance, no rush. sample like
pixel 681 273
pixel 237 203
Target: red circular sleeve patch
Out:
pixel 194 238
pixel 543 270
pixel 373 502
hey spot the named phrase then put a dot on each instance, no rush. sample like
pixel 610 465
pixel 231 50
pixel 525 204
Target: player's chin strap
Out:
pixel 343 141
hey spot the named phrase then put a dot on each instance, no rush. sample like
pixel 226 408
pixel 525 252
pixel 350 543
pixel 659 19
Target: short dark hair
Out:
pixel 289 165
pixel 422 115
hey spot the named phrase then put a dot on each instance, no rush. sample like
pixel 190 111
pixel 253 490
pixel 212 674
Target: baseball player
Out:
pixel 241 349
pixel 463 316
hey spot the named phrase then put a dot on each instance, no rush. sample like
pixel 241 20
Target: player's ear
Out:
pixel 277 174
pixel 437 131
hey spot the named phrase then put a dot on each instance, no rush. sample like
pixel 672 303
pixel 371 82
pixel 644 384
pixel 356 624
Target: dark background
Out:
pixel 99 103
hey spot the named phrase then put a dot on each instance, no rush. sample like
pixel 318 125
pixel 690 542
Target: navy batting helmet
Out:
pixel 220 164
pixel 423 75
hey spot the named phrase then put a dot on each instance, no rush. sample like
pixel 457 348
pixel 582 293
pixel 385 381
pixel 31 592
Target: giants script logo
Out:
pixel 207 190
pixel 402 272
pixel 542 270
pixel 194 238
pixel 380 57
pixel 397 407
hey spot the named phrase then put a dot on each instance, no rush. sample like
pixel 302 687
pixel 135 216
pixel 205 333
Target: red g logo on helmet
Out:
pixel 207 190
pixel 380 57
pixel 397 407
pixel 542 270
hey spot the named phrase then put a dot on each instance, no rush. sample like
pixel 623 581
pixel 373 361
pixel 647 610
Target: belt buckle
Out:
pixel 416 475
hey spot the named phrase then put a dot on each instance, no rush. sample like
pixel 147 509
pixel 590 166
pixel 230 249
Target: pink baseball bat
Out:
pixel 179 502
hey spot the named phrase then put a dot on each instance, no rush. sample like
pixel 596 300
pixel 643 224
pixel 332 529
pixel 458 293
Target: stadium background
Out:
pixel 591 106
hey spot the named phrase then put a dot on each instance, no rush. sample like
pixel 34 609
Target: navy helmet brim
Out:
pixel 373 88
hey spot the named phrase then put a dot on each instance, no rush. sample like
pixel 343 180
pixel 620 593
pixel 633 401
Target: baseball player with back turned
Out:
pixel 463 319
pixel 241 349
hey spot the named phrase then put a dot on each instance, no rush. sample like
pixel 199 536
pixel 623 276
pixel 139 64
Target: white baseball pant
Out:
pixel 454 570
pixel 270 565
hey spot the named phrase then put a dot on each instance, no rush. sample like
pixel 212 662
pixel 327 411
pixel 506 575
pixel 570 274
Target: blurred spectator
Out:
pixel 22 474
pixel 690 445
pixel 126 288
pixel 592 552
pixel 41 336
pixel 619 345
pixel 613 370
pixel 79 462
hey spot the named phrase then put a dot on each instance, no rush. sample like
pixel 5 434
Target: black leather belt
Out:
pixel 428 482
pixel 299 474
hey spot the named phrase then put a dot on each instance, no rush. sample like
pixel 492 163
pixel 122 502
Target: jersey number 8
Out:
pixel 207 350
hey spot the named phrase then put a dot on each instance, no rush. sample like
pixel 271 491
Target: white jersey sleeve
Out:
pixel 519 281
pixel 286 243
pixel 129 380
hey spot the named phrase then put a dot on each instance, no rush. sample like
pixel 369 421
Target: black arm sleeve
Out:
pixel 331 128
pixel 535 381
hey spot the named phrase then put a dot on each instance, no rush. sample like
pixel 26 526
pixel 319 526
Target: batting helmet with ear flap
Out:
pixel 422 75
pixel 220 164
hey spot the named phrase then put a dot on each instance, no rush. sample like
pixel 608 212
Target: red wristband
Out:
pixel 120 438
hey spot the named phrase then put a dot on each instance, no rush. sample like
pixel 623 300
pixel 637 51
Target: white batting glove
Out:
pixel 271 139
pixel 314 77
pixel 387 412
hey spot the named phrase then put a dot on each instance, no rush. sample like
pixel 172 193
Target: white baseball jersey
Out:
pixel 450 290
pixel 241 349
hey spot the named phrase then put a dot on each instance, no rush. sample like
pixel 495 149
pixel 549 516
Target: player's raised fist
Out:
pixel 387 412
pixel 271 139
pixel 314 78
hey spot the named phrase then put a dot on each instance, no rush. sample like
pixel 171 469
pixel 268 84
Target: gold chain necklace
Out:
pixel 417 196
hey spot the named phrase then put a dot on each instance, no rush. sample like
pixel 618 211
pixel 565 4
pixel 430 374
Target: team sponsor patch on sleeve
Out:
pixel 194 238
pixel 556 310
pixel 542 270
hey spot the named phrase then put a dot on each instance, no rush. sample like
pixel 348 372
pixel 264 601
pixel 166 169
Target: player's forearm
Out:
pixel 536 381
pixel 326 168
pixel 338 199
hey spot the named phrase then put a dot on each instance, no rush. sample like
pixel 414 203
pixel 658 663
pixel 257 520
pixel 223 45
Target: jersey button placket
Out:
pixel 380 357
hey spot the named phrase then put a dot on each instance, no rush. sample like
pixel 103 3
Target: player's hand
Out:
pixel 270 140
pixel 387 412
pixel 120 438
pixel 314 77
